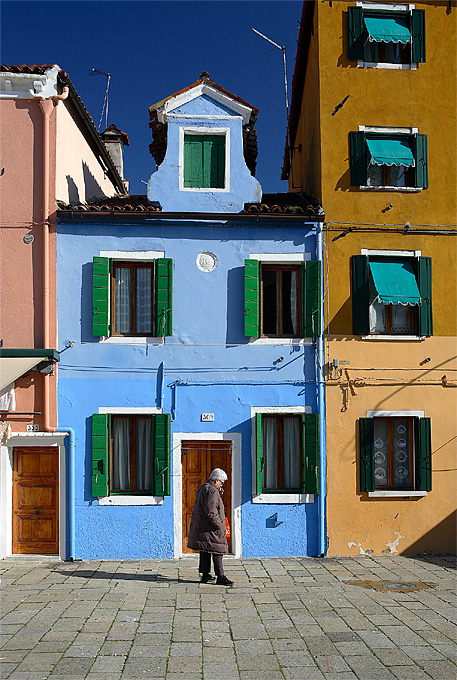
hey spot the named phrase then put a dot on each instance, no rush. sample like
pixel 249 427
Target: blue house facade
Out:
pixel 192 326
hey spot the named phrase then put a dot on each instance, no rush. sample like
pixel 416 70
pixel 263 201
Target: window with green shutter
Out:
pixel 378 35
pixel 287 453
pixel 132 298
pixel 379 159
pixel 131 454
pixel 395 454
pixel 391 295
pixel 204 161
pixel 282 301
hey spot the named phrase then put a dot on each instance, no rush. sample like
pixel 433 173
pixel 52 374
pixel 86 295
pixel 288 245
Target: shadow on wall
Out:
pixel 343 58
pixel 86 304
pixel 441 539
pixel 235 307
pixel 92 188
pixel 73 191
pixel 341 323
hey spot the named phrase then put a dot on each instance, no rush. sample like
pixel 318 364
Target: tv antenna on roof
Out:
pixel 96 71
pixel 283 50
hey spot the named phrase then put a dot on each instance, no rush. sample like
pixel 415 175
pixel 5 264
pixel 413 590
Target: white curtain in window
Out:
pixel 293 300
pixel 121 454
pixel 291 453
pixel 377 317
pixel 400 318
pixel 143 300
pixel 144 454
pixel 122 306
pixel 269 452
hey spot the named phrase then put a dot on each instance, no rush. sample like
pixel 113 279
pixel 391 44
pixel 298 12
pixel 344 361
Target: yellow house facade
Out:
pixel 373 135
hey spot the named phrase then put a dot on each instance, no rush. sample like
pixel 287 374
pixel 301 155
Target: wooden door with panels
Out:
pixel 36 500
pixel 199 458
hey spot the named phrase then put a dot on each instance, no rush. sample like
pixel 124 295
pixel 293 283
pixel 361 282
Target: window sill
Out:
pixel 281 341
pixel 131 340
pixel 396 494
pixel 130 500
pixel 283 498
pixel 394 67
pixel 413 190
pixel 409 338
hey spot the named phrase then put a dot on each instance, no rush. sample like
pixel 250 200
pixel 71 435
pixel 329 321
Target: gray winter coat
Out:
pixel 207 526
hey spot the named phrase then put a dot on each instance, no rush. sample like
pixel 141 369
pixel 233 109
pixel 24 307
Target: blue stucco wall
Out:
pixel 222 374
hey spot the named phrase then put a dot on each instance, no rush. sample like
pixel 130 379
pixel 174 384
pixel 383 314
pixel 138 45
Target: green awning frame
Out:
pixel 395 282
pixel 388 151
pixel 387 29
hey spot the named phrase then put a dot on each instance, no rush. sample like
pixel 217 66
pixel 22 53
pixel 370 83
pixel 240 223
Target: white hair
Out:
pixel 217 473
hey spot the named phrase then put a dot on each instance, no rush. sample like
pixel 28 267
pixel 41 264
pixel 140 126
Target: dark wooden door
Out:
pixel 199 458
pixel 36 500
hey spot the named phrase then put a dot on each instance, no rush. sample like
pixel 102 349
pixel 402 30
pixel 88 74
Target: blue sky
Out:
pixel 151 50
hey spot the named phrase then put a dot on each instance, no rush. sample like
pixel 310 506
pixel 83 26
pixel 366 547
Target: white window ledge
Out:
pixel 396 494
pixel 130 500
pixel 283 498
pixel 281 341
pixel 394 337
pixel 131 340
pixel 394 67
pixel 413 190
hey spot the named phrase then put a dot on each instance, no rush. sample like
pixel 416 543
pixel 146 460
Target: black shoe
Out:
pixel 223 581
pixel 206 578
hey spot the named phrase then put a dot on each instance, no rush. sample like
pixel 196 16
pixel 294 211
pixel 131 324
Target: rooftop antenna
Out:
pixel 283 50
pixel 96 71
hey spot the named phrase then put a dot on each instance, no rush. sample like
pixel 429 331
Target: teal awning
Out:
pixel 387 29
pixel 385 151
pixel 395 282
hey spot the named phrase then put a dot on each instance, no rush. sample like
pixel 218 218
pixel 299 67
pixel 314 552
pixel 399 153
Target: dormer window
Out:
pixel 205 159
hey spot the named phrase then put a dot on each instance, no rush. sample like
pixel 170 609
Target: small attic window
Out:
pixel 204 161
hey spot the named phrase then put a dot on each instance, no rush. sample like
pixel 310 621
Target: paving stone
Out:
pixel 303 674
pixel 73 666
pixel 321 645
pixel 393 657
pixel 177 664
pixel 108 664
pixel 255 662
pixel 294 658
pixel 442 670
pixel 332 664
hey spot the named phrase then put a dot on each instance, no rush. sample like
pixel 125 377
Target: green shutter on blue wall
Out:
pixel 204 161
pixel 310 424
pixel 163 308
pixel 421 156
pixel 311 298
pixel 360 295
pixel 252 298
pixel 366 435
pixel 258 453
pixel 100 441
pixel 193 161
pixel 356 31
pixel 162 455
pixel 418 35
pixel 423 454
pixel 100 295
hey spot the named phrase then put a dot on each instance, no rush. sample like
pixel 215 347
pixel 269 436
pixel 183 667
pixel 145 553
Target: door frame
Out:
pixel 29 439
pixel 235 520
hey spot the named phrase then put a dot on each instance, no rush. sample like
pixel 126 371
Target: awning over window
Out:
pixel 385 151
pixel 395 282
pixel 387 29
pixel 15 362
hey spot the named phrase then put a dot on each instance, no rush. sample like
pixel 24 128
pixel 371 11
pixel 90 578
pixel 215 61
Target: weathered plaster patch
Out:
pixel 351 544
pixel 394 545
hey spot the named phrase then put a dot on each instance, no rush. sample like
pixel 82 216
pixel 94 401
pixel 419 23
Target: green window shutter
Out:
pixel 424 282
pixel 423 454
pixel 213 161
pixel 258 453
pixel 355 33
pixel 418 35
pixel 360 295
pixel 357 158
pixel 193 161
pixel 100 296
pixel 100 445
pixel 366 431
pixel 252 298
pixel 163 308
pixel 421 156
pixel 310 423
pixel 162 460
pixel 311 298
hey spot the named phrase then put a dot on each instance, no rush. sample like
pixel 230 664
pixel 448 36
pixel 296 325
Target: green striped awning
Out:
pixel 395 282
pixel 387 29
pixel 385 151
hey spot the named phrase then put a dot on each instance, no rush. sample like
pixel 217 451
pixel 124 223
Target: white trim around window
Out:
pixel 275 498
pixel 223 131
pixel 281 258
pixel 390 253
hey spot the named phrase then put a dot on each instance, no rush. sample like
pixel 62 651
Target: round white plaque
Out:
pixel 206 261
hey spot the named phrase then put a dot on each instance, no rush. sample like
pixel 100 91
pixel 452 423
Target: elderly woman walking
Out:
pixel 207 528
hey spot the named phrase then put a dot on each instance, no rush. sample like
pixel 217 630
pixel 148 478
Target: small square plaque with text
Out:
pixel 207 417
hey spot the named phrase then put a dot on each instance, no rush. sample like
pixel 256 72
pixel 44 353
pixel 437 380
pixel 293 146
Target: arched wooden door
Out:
pixel 199 458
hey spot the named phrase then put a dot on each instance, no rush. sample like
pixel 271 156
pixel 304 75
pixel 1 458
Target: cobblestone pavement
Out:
pixel 292 618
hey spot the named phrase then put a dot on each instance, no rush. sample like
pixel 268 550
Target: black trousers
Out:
pixel 204 566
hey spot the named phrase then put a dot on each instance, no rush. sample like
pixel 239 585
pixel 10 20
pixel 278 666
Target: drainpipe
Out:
pixel 321 410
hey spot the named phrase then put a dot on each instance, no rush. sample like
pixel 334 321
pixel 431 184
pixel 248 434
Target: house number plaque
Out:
pixel 207 417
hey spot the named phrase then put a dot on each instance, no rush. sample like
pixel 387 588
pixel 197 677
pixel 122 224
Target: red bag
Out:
pixel 227 528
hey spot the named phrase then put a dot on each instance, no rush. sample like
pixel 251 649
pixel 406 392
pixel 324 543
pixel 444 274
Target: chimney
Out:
pixel 115 140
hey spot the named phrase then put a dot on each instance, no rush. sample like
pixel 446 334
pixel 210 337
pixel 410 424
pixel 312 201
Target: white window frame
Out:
pixel 382 7
pixel 392 253
pixel 129 499
pixel 388 132
pixel 221 131
pixel 398 494
pixel 130 256
pixel 275 498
